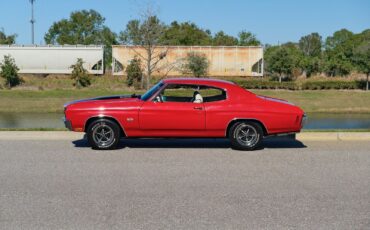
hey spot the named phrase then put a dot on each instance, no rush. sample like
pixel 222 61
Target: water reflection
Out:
pixel 31 120
pixel 315 121
pixel 338 121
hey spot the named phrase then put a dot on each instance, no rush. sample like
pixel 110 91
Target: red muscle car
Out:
pixel 184 107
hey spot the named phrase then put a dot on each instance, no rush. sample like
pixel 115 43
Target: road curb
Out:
pixel 40 135
pixel 66 135
pixel 334 136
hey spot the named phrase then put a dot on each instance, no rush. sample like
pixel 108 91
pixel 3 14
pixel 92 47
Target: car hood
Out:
pixel 105 98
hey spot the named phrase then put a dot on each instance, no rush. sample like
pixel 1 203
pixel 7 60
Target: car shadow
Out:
pixel 268 143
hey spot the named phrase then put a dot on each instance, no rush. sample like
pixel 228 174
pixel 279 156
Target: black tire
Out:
pixel 107 130
pixel 252 132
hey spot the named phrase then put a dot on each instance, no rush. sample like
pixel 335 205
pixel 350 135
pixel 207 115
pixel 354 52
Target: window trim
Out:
pixel 190 84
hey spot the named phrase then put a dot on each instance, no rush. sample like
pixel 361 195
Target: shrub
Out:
pixel 80 75
pixel 263 84
pixel 134 73
pixel 318 85
pixel 196 64
pixel 307 85
pixel 9 71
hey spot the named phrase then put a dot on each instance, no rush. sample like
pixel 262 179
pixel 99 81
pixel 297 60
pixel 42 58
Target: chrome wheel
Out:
pixel 246 135
pixel 103 135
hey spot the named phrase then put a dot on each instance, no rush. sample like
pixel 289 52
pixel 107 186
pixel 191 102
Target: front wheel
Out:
pixel 246 135
pixel 103 134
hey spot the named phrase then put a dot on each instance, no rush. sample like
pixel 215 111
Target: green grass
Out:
pixel 45 101
pixel 48 94
pixel 324 101
pixel 52 101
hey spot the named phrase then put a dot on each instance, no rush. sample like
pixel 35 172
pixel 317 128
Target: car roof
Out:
pixel 199 81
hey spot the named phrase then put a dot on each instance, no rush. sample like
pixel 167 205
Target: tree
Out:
pixel 134 72
pixel 84 27
pixel 248 39
pixel 222 39
pixel 362 60
pixel 311 45
pixel 108 38
pixel 7 39
pixel 80 75
pixel 187 34
pixel 279 61
pixel 339 52
pixel 310 65
pixel 339 40
pixel 196 64
pixel 9 71
pixel 146 33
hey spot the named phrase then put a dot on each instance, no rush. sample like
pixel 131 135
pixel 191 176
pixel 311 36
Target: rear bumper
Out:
pixel 304 120
pixel 67 123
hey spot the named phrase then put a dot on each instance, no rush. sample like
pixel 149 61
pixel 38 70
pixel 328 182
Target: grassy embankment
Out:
pixel 47 95
pixel 50 101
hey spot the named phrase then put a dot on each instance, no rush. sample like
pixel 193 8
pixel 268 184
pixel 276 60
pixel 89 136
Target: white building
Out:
pixel 54 59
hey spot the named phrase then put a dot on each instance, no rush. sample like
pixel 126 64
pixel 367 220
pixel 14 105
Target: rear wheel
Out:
pixel 103 134
pixel 246 135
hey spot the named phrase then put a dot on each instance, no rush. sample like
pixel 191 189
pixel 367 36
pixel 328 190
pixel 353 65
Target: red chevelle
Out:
pixel 184 107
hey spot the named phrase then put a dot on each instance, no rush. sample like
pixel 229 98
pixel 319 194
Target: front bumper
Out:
pixel 67 124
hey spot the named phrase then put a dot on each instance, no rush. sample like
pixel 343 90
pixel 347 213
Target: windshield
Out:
pixel 152 91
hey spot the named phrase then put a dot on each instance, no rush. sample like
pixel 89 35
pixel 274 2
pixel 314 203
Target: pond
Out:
pixel 315 121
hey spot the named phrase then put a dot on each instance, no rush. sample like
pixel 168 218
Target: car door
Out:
pixel 177 114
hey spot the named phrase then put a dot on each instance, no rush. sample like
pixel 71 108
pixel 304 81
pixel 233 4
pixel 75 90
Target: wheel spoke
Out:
pixel 103 135
pixel 246 135
pixel 244 132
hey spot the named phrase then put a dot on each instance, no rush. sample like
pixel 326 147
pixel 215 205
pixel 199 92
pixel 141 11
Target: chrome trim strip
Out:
pixel 67 123
pixel 102 116
pixel 167 84
pixel 239 118
pixel 304 120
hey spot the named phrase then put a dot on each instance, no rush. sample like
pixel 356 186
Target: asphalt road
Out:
pixel 184 184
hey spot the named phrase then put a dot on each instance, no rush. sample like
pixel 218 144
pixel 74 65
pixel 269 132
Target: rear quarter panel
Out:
pixel 241 104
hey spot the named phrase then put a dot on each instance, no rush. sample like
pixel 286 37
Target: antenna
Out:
pixel 32 22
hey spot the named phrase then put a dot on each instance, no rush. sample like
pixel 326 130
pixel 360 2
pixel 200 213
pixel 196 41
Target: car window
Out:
pixel 178 93
pixel 152 91
pixel 212 94
pixel 192 93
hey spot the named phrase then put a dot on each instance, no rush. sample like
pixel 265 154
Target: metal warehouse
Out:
pixel 223 60
pixel 55 59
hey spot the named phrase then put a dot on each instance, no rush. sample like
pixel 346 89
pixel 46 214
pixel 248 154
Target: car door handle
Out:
pixel 198 108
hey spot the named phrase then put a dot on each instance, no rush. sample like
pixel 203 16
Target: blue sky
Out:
pixel 272 21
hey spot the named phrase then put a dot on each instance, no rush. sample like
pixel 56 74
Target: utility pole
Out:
pixel 32 22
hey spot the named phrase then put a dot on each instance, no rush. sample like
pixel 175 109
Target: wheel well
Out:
pixel 92 119
pixel 253 120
